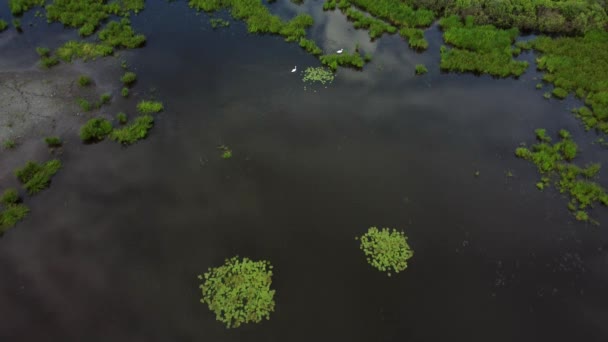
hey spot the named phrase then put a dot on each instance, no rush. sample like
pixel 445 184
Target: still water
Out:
pixel 112 250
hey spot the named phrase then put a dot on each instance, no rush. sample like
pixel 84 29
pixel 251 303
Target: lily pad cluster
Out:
pixel 386 249
pixel 239 291
pixel 318 74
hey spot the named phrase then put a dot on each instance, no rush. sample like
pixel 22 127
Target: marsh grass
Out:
pixel 554 162
pixel 375 27
pixel 386 249
pixel 226 151
pixel 560 93
pixel 332 61
pixel 47 62
pixel 149 107
pixel 19 7
pixel 128 78
pixel 104 98
pixel 43 51
pixel 124 92
pixel 37 177
pixel 83 14
pixel 83 50
pixel 17 24
pixel 53 142
pixel 397 13
pixel 121 34
pixel 219 23
pixel 238 292
pixel 84 104
pixel 95 130
pixel 11 211
pixel 9 196
pixel 3 25
pixel 415 38
pixel 84 81
pixel 310 46
pixel 421 69
pixel 479 48
pixel 121 118
pixel 133 132
pixel 9 144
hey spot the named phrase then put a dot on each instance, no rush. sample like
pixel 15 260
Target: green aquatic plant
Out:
pixel 121 34
pixel 133 132
pixel 547 95
pixel 9 144
pixel 11 211
pixel 318 74
pixel 226 151
pixel 37 177
pixel 218 23
pixel 386 249
pixel 19 7
pixel 84 104
pixel 53 142
pixel 43 51
pixel 398 13
pixel 375 27
pixel 17 24
pixel 310 46
pixel 415 38
pixel 560 93
pixel 539 85
pixel 128 78
pixel 47 62
pixel 329 5
pixel 104 98
pixel 239 291
pixel 95 130
pixel 9 196
pixel 122 118
pixel 83 50
pixel 3 25
pixel 334 60
pixel 553 162
pixel 84 80
pixel 124 92
pixel 479 48
pixel 421 69
pixel 149 107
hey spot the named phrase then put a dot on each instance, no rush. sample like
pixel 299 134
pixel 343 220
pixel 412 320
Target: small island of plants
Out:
pixel 386 249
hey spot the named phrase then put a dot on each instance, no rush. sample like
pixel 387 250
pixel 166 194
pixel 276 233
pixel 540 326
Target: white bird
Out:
pixel 340 51
pixel 294 69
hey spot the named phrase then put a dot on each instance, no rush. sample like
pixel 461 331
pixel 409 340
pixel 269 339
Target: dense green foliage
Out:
pixel 135 131
pixel 3 25
pixel 95 130
pixel 557 16
pixel 47 62
pixel 11 211
pixel 9 196
pixel 84 80
pixel 18 7
pixel 310 46
pixel 84 104
pixel 396 12
pixel 128 78
pixel 554 162
pixel 73 49
pixel 480 49
pixel 53 142
pixel 375 27
pixel 334 60
pixel 36 177
pixel 579 65
pixel 83 14
pixel 421 69
pixel 386 249
pixel 149 107
pixel 318 74
pixel 120 34
pixel 239 291
pixel 415 38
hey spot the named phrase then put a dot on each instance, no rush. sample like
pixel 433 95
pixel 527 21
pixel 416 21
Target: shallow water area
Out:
pixel 111 251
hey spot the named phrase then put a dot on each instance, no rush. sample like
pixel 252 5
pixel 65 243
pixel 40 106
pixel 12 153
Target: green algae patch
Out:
pixel 554 163
pixel 239 292
pixel 120 34
pixel 482 49
pixel 37 177
pixel 580 65
pixel 11 211
pixel 95 130
pixel 386 249
pixel 19 7
pixel 133 132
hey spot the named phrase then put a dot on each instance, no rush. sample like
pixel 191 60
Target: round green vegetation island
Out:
pixel 239 291
pixel 386 249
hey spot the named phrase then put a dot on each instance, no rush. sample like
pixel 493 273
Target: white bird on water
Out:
pixel 340 51
pixel 294 69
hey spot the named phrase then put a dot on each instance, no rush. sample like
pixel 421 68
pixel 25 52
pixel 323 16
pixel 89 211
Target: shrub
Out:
pixel 37 177
pixel 128 78
pixel 53 141
pixel 149 107
pixel 421 69
pixel 239 291
pixel 386 250
pixel 135 131
pixel 95 130
pixel 84 81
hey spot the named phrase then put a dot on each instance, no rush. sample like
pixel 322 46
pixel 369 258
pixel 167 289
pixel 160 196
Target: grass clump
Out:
pixel 124 92
pixel 149 107
pixel 553 162
pixel 415 38
pixel 578 64
pixel 37 177
pixel 421 69
pixel 128 78
pixel 17 24
pixel 334 60
pixel 135 131
pixel 84 104
pixel 397 13
pixel 122 118
pixel 104 98
pixel 9 144
pixel 219 23
pixel 11 211
pixel 53 142
pixel 226 151
pixel 19 7
pixel 560 93
pixel 86 51
pixel 50 61
pixel 95 130
pixel 239 291
pixel 84 81
pixel 83 14
pixel 318 74
pixel 375 27
pixel 385 249
pixel 310 46
pixel 43 51
pixel 120 34
pixel 3 25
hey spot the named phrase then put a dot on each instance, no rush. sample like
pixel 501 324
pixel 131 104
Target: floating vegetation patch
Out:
pixel 554 164
pixel 128 78
pixel 226 151
pixel 480 49
pixel 219 23
pixel 149 107
pixel 579 65
pixel 95 130
pixel 318 75
pixel 133 132
pixel 386 249
pixel 37 177
pixel 11 211
pixel 239 291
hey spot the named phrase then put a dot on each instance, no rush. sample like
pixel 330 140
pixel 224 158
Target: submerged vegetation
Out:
pixel 318 74
pixel 479 48
pixel 135 131
pixel 239 291
pixel 554 163
pixel 219 23
pixel 386 250
pixel 11 211
pixel 36 177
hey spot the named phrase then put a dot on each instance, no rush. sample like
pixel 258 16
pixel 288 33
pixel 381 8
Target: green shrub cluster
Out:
pixel 121 34
pixel 95 130
pixel 84 50
pixel 239 291
pixel 18 7
pixel 83 14
pixel 11 211
pixel 36 177
pixel 386 250
pixel 135 131
pixel 128 78
pixel 479 48
pixel 84 81
pixel 554 162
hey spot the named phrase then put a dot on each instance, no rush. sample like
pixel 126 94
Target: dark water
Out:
pixel 112 250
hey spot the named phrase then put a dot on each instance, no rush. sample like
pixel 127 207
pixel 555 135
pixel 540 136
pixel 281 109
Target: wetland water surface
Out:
pixel 112 250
